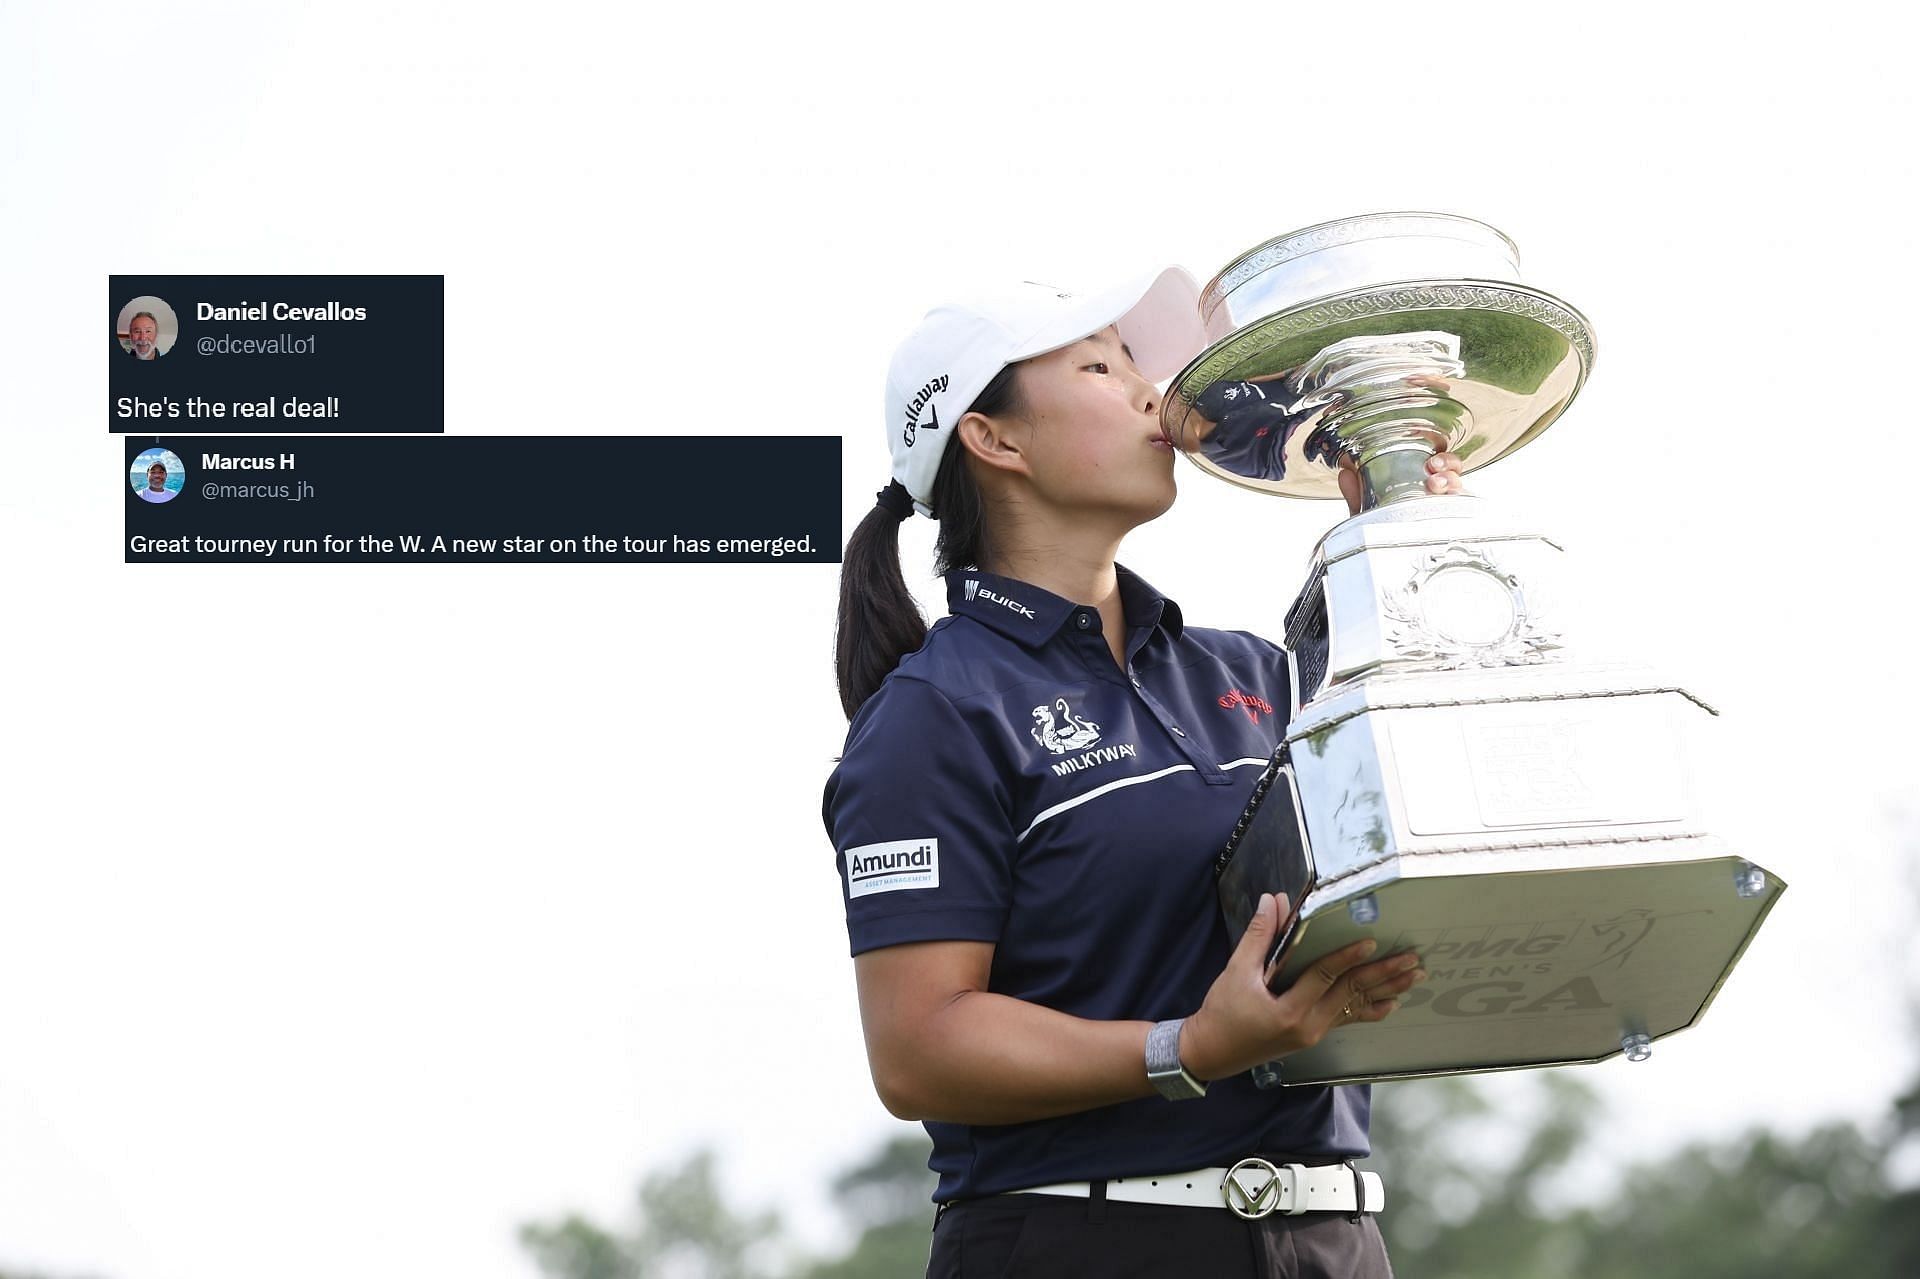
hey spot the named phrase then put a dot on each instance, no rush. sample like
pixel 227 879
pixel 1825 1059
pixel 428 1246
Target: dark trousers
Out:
pixel 1056 1236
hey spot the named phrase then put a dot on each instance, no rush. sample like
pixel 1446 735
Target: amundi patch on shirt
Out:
pixel 896 864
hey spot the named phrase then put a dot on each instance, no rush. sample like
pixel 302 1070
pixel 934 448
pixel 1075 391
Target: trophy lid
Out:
pixel 1373 342
pixel 1350 253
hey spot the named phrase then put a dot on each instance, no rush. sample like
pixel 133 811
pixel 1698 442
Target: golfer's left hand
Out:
pixel 1443 476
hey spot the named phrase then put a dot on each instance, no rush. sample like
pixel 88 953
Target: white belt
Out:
pixel 1251 1188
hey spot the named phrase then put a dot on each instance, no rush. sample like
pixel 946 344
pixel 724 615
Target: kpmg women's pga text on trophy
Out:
pixel 1452 779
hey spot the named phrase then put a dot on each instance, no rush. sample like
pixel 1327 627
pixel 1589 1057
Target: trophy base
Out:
pixel 1529 833
pixel 1538 956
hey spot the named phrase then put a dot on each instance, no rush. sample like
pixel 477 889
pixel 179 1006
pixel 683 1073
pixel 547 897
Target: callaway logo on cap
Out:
pixel 947 360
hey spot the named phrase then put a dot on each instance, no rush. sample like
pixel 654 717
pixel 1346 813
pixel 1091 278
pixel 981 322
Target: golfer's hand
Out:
pixel 1242 1023
pixel 1443 476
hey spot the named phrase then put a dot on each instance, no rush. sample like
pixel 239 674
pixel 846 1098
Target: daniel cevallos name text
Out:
pixel 246 310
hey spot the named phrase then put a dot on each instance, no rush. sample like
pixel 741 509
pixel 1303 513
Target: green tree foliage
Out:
pixel 888 1200
pixel 1899 1223
pixel 685 1228
pixel 575 1248
pixel 1757 1206
pixel 1455 1200
pixel 1476 1172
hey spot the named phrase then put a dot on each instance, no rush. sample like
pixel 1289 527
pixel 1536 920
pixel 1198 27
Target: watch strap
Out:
pixel 1171 1079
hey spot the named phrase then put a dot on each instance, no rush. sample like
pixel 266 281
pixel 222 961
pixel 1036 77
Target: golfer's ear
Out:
pixel 997 441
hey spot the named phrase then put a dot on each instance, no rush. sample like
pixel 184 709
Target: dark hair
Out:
pixel 879 623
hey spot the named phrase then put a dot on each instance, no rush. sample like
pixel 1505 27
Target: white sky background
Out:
pixel 351 916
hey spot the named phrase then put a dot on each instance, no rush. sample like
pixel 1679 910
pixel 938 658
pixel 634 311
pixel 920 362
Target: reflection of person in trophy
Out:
pixel 1249 426
pixel 1245 425
pixel 1044 976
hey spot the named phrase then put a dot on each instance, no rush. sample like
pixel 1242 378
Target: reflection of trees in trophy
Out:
pixel 1354 403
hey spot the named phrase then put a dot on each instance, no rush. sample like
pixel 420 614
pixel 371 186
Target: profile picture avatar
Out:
pixel 157 475
pixel 147 328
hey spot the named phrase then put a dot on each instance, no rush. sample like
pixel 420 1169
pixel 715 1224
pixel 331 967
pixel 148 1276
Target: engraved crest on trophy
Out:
pixel 1453 778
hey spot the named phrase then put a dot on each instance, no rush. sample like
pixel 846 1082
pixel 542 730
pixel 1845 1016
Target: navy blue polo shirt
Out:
pixel 1010 783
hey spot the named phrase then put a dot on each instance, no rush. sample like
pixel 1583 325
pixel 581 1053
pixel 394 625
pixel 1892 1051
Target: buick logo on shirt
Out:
pixel 975 590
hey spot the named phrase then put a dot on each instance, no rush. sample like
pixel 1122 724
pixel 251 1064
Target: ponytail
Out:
pixel 879 623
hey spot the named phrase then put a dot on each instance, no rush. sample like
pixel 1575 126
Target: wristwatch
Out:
pixel 1164 1071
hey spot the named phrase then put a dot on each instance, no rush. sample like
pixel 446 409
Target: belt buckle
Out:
pixel 1253 1198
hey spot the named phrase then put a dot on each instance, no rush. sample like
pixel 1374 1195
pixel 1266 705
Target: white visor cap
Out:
pixel 959 347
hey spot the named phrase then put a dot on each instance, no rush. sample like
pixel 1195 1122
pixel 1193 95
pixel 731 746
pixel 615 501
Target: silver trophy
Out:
pixel 1454 779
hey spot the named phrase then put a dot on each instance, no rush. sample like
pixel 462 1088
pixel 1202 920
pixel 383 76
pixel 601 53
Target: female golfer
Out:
pixel 1026 814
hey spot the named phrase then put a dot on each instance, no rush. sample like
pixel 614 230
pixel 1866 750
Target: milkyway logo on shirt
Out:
pixel 1058 729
